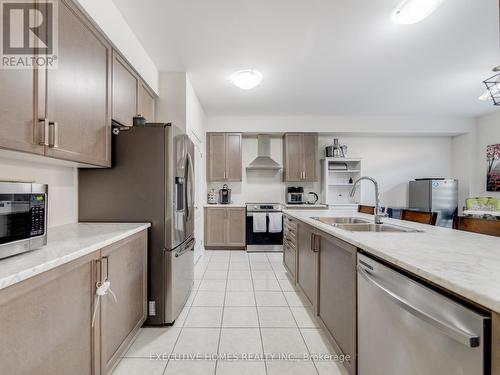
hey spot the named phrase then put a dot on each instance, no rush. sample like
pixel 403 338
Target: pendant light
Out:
pixel 492 88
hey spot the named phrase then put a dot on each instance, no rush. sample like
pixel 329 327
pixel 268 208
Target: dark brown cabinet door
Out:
pixel 307 272
pixel 233 157
pixel 146 102
pixel 310 157
pixel 292 157
pixel 78 92
pixel 125 86
pixel 19 128
pixel 126 265
pixel 216 156
pixel 337 295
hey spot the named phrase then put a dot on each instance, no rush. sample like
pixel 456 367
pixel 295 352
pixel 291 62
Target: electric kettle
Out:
pixel 312 197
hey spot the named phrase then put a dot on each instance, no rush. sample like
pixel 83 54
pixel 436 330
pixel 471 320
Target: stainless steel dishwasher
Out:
pixel 407 328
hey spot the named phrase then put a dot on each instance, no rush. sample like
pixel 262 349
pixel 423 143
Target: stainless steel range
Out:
pixel 264 227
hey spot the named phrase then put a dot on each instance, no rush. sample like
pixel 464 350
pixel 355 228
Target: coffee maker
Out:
pixel 225 195
pixel 295 195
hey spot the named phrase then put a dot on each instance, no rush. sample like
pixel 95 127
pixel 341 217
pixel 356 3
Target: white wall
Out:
pixel 107 16
pixel 62 181
pixel 464 165
pixel 171 103
pixel 195 128
pixel 394 161
pixel 394 149
pixel 365 125
pixel 195 114
pixel 487 133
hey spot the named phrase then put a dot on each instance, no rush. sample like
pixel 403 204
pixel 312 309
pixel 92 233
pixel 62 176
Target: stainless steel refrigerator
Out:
pixel 151 180
pixel 435 195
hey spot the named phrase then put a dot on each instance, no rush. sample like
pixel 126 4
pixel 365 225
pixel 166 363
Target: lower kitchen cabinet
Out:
pixel 307 268
pixel 337 295
pixel 225 227
pixel 290 247
pixel 47 319
pixel 125 265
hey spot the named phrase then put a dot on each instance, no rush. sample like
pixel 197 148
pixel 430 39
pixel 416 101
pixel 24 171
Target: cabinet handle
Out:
pixel 107 267
pixel 314 243
pixel 53 134
pixel 317 246
pixel 45 132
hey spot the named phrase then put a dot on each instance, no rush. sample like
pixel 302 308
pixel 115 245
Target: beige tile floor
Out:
pixel 241 304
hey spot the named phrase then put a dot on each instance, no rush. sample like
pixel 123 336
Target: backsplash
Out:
pixel 261 185
pixel 62 181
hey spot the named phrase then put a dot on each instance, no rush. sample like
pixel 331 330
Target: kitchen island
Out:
pixel 461 264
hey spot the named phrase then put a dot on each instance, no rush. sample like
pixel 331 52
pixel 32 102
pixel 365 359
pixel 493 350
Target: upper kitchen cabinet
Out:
pixel 77 100
pixel 146 102
pixel 125 91
pixel 64 112
pixel 301 157
pixel 224 157
pixel 18 125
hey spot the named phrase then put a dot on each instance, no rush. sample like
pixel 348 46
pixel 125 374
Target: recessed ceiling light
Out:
pixel 412 11
pixel 246 79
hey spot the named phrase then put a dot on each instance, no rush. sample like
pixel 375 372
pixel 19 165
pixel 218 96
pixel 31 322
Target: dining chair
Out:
pixel 477 225
pixel 419 216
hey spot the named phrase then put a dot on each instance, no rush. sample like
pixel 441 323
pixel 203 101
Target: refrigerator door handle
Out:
pixel 459 335
pixel 189 247
pixel 188 195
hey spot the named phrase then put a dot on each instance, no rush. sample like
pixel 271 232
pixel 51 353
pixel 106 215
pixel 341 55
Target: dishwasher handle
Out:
pixel 463 337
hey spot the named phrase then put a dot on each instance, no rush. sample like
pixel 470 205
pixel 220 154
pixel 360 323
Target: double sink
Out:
pixel 356 224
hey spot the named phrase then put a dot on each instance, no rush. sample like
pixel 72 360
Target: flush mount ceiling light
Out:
pixel 246 79
pixel 409 12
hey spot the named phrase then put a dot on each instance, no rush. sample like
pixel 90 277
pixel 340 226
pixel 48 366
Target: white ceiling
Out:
pixel 324 57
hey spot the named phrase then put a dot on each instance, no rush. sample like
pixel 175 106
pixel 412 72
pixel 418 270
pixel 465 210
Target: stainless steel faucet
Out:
pixel 378 215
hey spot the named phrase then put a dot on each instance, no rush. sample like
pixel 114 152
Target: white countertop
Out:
pixel 467 264
pixel 240 205
pixel 306 206
pixel 64 244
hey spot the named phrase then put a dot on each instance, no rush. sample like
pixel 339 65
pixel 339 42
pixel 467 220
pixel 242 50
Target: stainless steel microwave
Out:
pixel 23 217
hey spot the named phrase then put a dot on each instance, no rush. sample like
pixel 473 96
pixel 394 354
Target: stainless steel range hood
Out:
pixel 263 161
